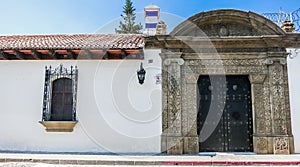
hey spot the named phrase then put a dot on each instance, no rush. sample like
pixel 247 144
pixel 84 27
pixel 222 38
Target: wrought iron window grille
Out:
pixel 50 76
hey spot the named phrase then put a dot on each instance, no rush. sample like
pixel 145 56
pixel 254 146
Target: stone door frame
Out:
pixel 226 42
pixel 269 90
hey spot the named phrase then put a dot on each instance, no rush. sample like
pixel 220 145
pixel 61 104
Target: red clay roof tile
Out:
pixel 76 41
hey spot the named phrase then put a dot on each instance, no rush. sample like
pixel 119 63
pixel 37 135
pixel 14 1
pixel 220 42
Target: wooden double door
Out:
pixel 225 114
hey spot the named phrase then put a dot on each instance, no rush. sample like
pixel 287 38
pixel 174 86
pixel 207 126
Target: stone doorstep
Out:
pixel 141 162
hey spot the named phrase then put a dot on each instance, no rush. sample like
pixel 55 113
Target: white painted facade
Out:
pixel 115 113
pixel 294 86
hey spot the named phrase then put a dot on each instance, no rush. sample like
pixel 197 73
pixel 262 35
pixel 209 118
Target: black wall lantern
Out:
pixel 141 74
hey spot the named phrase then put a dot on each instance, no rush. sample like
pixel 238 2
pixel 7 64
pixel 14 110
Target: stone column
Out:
pixel 172 141
pixel 281 137
pixel 260 125
pixel 189 114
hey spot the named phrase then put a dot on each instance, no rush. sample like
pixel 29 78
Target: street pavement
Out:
pixel 75 160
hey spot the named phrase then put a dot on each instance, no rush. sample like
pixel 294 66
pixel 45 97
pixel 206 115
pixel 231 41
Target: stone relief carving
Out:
pixel 184 109
pixel 164 100
pixel 231 62
pixel 257 78
pixel 287 100
pixel 277 98
pixel 223 31
pixel 228 70
pixel 276 73
pixel 173 96
pixel 190 92
pixel 259 108
pixel 191 78
pixel 261 143
pixel 266 77
pixel 267 108
pixel 169 61
pixel 281 145
pixel 172 74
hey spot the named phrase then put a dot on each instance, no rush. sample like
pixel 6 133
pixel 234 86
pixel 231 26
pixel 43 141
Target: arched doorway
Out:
pixel 236 44
pixel 224 120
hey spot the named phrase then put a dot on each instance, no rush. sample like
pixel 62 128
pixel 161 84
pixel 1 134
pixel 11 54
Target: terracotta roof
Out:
pixel 77 41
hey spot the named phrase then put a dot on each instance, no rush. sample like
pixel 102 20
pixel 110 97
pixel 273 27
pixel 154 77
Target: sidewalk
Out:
pixel 219 159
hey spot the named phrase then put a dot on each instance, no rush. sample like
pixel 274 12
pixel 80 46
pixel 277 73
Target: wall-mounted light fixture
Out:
pixel 158 79
pixel 293 53
pixel 141 74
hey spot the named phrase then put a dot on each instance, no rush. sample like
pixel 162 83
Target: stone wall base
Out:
pixel 261 144
pixel 190 145
pixel 179 145
pixel 172 144
pixel 273 145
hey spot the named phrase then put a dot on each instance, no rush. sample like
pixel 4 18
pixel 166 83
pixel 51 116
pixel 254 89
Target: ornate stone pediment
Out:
pixel 227 23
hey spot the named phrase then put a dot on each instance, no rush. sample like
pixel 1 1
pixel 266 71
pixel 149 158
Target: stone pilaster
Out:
pixel 257 93
pixel 189 113
pixel 172 141
pixel 260 142
pixel 282 140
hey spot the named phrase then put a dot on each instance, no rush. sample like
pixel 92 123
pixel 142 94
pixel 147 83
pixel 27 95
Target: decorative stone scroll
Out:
pixel 257 78
pixel 281 145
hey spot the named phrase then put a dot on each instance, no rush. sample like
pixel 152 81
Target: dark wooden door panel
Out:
pixel 225 114
pixel 62 100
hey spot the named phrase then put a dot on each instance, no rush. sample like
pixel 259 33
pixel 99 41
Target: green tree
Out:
pixel 129 26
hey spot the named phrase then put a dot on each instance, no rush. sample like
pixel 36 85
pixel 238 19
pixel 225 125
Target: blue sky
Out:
pixel 90 16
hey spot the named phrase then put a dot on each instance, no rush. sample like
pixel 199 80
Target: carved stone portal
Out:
pixel 224 42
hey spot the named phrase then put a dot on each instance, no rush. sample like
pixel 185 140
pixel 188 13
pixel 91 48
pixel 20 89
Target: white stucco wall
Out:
pixel 293 62
pixel 116 114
